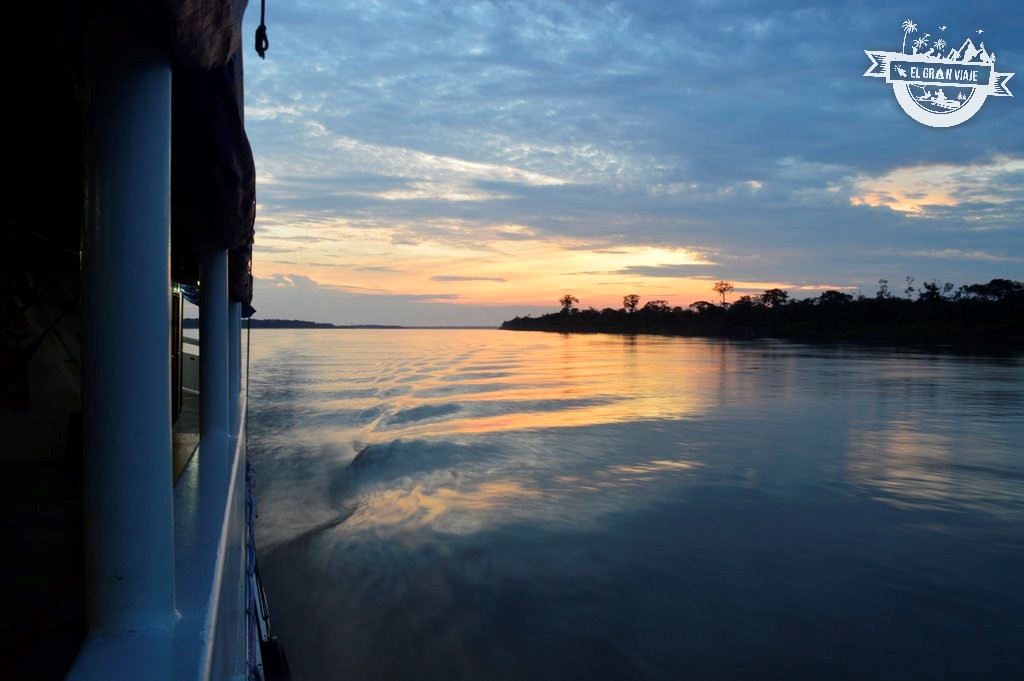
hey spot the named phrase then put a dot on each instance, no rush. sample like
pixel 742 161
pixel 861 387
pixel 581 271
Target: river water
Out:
pixel 483 504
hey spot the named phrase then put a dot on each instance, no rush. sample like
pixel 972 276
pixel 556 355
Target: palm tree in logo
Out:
pixel 908 27
pixel 921 42
pixel 939 46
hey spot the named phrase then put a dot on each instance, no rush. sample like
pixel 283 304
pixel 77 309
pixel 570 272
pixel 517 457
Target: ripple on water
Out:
pixel 423 412
pixel 463 389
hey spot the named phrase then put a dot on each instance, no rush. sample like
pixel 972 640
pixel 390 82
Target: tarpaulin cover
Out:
pixel 213 179
pixel 203 33
pixel 213 185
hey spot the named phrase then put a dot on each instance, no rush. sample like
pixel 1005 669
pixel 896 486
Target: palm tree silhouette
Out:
pixel 908 27
pixel 921 42
pixel 939 46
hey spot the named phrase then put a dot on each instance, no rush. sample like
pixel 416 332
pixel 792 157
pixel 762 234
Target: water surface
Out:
pixel 512 505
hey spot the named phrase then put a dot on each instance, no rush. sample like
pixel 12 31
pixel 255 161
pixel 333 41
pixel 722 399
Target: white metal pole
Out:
pixel 235 361
pixel 126 334
pixel 213 349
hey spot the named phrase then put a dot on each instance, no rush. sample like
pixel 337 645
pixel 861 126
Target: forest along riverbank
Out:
pixel 984 317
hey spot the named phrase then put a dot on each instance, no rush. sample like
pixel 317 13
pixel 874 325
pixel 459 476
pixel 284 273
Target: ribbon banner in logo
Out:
pixel 940 91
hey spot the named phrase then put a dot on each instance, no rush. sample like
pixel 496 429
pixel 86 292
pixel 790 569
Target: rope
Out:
pixel 262 41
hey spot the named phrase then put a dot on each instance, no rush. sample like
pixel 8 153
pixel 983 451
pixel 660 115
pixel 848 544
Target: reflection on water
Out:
pixel 444 508
pixel 490 505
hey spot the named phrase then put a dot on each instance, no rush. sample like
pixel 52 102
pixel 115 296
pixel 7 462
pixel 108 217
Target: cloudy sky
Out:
pixel 459 163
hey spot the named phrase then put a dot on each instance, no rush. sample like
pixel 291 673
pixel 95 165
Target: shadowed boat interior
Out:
pixel 44 97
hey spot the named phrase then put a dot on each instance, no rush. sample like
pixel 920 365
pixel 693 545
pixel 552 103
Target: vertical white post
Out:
pixel 235 361
pixel 213 339
pixel 126 372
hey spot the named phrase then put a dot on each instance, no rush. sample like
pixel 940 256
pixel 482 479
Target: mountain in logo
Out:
pixel 968 52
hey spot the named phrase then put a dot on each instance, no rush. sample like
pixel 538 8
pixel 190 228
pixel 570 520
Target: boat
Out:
pixel 939 99
pixel 132 179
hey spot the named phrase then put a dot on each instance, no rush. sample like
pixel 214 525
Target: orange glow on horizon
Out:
pixel 505 265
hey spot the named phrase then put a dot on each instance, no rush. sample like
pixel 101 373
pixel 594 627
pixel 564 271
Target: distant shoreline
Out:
pixel 985 318
pixel 193 323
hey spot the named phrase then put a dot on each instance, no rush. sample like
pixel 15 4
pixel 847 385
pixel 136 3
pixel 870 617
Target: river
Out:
pixel 483 504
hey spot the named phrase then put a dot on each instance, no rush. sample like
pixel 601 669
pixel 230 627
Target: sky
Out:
pixel 461 163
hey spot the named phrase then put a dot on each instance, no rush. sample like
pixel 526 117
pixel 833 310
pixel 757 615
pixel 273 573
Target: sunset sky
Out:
pixel 460 163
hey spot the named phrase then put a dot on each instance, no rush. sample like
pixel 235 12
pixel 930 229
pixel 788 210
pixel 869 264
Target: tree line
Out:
pixel 982 315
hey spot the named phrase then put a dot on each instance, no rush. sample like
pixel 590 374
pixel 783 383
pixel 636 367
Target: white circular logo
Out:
pixel 940 84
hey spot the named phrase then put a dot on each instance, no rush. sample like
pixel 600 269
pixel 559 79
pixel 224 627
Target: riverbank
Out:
pixel 968 323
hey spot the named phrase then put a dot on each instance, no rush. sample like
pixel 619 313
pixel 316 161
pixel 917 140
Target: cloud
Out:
pixel 374 268
pixel 920 189
pixel 443 277
pixel 743 130
pixel 296 296
pixel 967 255
pixel 671 271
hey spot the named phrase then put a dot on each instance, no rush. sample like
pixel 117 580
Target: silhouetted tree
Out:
pixel 831 297
pixel 774 297
pixel 722 287
pixel 931 292
pixel 883 289
pixel 567 301
pixel 997 289
pixel 630 302
pixel 656 306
